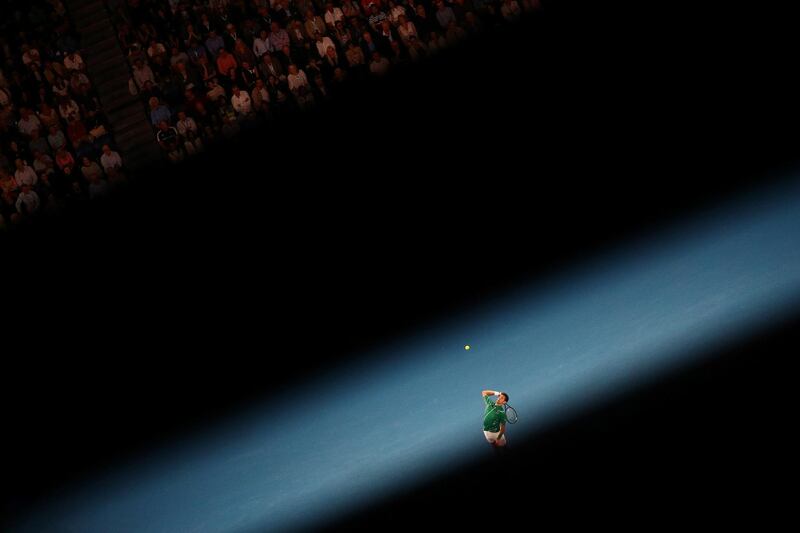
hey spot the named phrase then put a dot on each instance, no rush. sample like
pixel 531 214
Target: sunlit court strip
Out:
pixel 413 409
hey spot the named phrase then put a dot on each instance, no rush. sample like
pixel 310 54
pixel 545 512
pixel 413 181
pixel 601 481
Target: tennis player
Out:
pixel 494 418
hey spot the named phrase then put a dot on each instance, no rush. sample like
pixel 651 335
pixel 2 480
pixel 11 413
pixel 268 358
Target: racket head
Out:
pixel 511 415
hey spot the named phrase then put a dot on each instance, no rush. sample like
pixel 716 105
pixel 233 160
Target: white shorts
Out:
pixel 491 438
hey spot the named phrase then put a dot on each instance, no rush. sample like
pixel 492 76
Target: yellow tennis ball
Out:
pixel 466 347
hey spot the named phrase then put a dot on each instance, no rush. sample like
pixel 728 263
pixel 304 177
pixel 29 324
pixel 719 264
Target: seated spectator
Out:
pixel 28 201
pixel 214 90
pixel 158 112
pixel 314 23
pixel 195 51
pixel 205 69
pixel 279 38
pixel 323 42
pixel 444 14
pixel 248 75
pixel 25 175
pixel 56 138
pixel 395 12
pixel 350 9
pixel 185 124
pixel 242 53
pixel 510 10
pixel 379 64
pixel 296 78
pixel 48 116
pixel 64 160
pixel 38 143
pixel 177 56
pixel 98 187
pixel 43 164
pixel 270 66
pixel 342 35
pixel 332 15
pixel 406 28
pixel 226 62
pixel 376 16
pixel 192 143
pixel 355 55
pixel 73 61
pixel 260 97
pixel 167 138
pixel 156 51
pixel 90 169
pixel 111 160
pixel 142 73
pixel 241 102
pixel 261 44
pixel 214 44
pixel 28 121
pixel 77 134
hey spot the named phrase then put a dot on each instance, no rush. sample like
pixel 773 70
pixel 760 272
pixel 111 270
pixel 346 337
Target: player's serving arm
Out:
pixel 494 418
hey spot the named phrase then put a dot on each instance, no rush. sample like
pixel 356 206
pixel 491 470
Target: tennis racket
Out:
pixel 511 415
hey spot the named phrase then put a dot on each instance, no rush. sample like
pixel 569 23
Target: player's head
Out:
pixel 502 398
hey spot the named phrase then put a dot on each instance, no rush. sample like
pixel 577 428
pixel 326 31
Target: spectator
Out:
pixel 98 187
pixel 28 121
pixel 241 102
pixel 379 64
pixel 214 44
pixel 28 201
pixel 90 168
pixel 406 29
pixel 25 175
pixel 37 143
pixel 111 160
pixel 333 15
pixel 43 164
pixel 226 62
pixel 279 38
pixel 444 14
pixel 323 42
pixel 185 124
pixel 64 159
pixel 158 112
pixel 296 78
pixel 260 97
pixel 142 73
pixel 73 61
pixel 261 44
pixel 56 138
pixel 314 23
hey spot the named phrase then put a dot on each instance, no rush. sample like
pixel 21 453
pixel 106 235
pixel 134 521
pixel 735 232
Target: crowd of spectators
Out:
pixel 207 69
pixel 55 145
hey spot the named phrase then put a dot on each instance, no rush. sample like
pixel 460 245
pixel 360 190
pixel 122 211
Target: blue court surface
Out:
pixel 413 409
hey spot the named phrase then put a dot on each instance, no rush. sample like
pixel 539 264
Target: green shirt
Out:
pixel 493 416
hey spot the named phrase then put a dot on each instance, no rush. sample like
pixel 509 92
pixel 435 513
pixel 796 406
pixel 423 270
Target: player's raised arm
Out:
pixel 490 393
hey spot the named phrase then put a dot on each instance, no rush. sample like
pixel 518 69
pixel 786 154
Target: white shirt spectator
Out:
pixel 26 176
pixel 261 46
pixel 332 17
pixel 297 80
pixel 322 46
pixel 143 74
pixel 73 62
pixel 241 103
pixel 187 124
pixel 26 126
pixel 111 160
pixel 30 199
